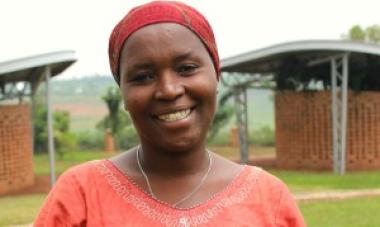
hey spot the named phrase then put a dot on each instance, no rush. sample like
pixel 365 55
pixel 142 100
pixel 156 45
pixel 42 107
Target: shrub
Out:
pixel 63 139
pixel 263 136
pixel 127 138
pixel 90 140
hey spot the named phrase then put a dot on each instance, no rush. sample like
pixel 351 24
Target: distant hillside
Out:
pixel 82 98
pixel 87 86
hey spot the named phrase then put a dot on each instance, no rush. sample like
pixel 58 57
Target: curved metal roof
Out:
pixel 26 69
pixel 268 59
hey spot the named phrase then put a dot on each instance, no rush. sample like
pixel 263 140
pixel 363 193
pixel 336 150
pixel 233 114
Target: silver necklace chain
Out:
pixel 201 182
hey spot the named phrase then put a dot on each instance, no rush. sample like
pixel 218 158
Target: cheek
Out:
pixel 209 96
pixel 129 100
pixel 209 88
pixel 135 101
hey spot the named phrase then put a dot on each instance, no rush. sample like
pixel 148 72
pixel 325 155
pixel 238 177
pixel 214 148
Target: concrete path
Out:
pixel 335 195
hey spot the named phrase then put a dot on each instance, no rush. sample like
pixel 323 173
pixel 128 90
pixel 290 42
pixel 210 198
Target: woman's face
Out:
pixel 169 86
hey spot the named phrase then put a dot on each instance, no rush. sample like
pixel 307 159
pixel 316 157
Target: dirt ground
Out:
pixel 41 185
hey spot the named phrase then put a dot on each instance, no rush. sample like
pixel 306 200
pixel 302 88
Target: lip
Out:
pixel 172 110
pixel 177 124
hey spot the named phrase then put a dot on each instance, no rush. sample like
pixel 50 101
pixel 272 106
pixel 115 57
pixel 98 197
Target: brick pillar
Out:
pixel 304 130
pixel 234 137
pixel 109 141
pixel 16 152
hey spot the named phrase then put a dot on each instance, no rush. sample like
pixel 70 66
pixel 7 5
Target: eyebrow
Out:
pixel 138 66
pixel 183 56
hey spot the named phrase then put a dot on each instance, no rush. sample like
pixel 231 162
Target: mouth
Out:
pixel 175 116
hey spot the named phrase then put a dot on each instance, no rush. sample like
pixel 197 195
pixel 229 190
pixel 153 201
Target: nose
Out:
pixel 169 86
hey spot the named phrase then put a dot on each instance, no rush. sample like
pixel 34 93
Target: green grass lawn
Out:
pixel 352 212
pixel 359 212
pixel 299 181
pixel 19 209
pixel 41 161
pixel 233 153
pixel 348 213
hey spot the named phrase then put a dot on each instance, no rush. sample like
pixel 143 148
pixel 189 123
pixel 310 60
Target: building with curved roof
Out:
pixel 20 78
pixel 333 125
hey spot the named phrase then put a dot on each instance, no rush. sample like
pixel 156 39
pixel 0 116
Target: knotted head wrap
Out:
pixel 160 12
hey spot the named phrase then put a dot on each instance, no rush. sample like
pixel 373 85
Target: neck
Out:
pixel 173 163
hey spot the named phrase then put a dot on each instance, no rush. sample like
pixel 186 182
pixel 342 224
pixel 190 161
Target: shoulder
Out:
pixel 75 184
pixel 267 180
pixel 265 187
pixel 276 198
pixel 82 169
pixel 66 203
pixel 82 173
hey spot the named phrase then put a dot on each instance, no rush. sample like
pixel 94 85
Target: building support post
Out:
pixel 240 96
pixel 339 83
pixel 50 127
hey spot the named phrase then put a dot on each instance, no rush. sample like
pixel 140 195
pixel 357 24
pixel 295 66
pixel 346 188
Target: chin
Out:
pixel 181 144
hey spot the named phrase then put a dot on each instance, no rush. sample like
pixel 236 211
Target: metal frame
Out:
pixel 339 82
pixel 240 83
pixel 51 148
pixel 339 85
pixel 241 110
pixel 333 52
pixel 10 91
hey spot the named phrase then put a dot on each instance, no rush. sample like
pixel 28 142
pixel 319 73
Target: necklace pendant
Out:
pixel 183 222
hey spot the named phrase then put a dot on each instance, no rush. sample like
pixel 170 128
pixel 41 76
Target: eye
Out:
pixel 187 69
pixel 142 77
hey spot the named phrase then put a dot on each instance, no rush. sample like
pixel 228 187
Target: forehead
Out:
pixel 161 39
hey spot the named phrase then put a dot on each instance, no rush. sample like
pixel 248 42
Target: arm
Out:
pixel 288 214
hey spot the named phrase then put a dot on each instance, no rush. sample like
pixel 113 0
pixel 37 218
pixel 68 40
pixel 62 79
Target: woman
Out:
pixel 164 58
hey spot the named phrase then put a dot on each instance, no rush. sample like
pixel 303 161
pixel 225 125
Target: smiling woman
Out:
pixel 164 57
pixel 169 88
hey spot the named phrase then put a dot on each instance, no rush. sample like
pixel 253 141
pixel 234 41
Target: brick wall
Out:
pixel 364 131
pixel 16 165
pixel 304 130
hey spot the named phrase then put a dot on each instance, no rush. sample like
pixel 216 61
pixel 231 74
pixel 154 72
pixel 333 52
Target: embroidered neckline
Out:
pixel 235 192
pixel 233 184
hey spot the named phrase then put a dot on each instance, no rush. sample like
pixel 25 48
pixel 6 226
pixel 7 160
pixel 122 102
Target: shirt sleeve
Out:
pixel 288 214
pixel 65 204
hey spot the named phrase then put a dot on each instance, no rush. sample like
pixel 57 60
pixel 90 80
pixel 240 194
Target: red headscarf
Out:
pixel 160 12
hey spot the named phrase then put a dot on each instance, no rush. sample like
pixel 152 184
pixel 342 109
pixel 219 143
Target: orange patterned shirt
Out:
pixel 97 193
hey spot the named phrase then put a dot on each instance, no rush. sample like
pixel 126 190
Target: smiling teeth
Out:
pixel 175 116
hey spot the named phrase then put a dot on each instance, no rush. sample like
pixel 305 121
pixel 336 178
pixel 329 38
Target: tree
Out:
pixel 373 33
pixel 117 121
pixel 357 33
pixel 369 34
pixel 112 121
pixel 64 140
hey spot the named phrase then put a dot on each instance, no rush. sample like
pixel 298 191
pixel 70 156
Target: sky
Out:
pixel 29 27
